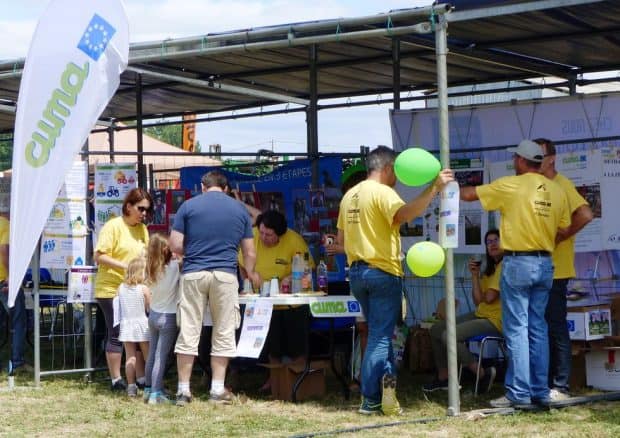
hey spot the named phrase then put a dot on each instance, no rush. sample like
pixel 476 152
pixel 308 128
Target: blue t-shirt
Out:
pixel 213 225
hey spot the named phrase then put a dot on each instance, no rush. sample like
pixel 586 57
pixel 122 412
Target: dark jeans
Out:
pixel 19 325
pixel 559 339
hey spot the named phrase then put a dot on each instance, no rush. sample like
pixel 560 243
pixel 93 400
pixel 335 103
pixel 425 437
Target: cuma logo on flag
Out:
pixel 96 37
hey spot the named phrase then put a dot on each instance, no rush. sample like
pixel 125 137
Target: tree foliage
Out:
pixel 171 134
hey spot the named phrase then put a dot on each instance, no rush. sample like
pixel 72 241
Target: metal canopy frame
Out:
pixel 491 41
pixel 302 63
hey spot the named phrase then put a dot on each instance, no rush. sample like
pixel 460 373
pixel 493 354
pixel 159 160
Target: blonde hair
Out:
pixel 135 273
pixel 157 257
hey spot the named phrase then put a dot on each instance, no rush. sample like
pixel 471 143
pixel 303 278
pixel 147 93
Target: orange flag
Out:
pixel 189 131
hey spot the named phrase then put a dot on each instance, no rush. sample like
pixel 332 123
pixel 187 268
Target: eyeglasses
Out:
pixel 492 241
pixel 142 209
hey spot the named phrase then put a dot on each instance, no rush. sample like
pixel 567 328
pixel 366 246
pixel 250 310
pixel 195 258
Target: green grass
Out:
pixel 71 407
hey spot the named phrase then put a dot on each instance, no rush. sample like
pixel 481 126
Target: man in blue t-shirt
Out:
pixel 208 230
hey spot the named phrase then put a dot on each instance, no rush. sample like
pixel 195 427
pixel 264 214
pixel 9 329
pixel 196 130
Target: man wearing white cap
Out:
pixel 533 209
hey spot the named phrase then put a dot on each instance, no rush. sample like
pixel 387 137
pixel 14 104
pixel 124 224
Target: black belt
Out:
pixel 359 263
pixel 528 253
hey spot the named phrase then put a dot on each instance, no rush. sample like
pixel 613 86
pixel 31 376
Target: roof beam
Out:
pixel 547 37
pixel 518 8
pixel 516 62
pixel 223 87
pixel 7 109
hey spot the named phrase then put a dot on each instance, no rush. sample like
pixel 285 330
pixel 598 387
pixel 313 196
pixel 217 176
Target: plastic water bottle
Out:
pixel 321 276
pixel 297 272
pixel 306 279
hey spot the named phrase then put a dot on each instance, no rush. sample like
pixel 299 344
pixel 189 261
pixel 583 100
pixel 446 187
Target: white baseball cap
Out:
pixel 529 150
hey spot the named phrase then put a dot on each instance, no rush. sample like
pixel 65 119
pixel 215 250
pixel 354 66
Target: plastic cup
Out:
pixel 264 291
pixel 247 287
pixel 274 288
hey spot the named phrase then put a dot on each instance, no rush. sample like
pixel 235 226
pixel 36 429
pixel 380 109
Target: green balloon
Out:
pixel 416 167
pixel 425 259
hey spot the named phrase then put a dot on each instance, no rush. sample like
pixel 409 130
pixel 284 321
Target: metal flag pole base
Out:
pixel 11 382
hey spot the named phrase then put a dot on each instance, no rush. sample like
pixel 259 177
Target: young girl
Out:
pixel 134 298
pixel 162 273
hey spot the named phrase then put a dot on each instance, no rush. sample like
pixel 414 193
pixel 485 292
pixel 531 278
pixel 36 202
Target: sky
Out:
pixel 340 130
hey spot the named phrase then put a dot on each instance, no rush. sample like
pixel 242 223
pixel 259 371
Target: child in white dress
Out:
pixel 134 301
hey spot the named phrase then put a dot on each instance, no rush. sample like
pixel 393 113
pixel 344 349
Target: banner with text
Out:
pixel 72 71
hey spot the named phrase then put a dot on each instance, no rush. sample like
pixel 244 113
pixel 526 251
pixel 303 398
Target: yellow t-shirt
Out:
pixel 277 260
pixel 532 209
pixel 4 240
pixel 491 311
pixel 564 254
pixel 121 242
pixel 366 214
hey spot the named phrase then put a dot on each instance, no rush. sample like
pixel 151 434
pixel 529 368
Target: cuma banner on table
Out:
pixel 72 70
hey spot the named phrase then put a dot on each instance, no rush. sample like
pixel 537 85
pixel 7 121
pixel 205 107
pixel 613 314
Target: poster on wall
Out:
pixel 583 168
pixel 287 188
pixel 61 252
pixel 604 204
pixel 66 229
pixel 159 221
pixel 112 183
pixel 82 284
pixel 473 220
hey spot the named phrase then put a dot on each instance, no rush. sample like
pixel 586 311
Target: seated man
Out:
pixel 486 320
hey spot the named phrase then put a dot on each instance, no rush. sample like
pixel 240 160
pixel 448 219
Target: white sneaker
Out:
pixel 500 402
pixel 556 395
pixel 505 402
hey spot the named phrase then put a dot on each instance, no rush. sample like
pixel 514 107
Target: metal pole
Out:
pixel 441 43
pixel 139 132
pixel 396 72
pixel 111 142
pixel 88 314
pixel 36 281
pixel 312 116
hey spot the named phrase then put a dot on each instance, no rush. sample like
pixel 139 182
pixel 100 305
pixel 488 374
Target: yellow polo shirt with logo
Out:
pixel 564 254
pixel 491 311
pixel 121 242
pixel 532 209
pixel 4 240
pixel 277 261
pixel 366 218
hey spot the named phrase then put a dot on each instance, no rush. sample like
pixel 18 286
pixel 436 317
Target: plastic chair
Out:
pixel 484 340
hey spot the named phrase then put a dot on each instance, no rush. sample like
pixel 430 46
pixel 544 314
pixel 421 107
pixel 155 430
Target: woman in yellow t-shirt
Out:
pixel 120 240
pixel 486 320
pixel 276 245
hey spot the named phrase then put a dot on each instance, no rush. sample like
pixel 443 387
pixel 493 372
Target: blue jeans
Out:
pixel 163 330
pixel 559 340
pixel 19 325
pixel 525 285
pixel 380 295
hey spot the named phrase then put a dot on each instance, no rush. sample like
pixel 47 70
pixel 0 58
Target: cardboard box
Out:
pixel 589 323
pixel 578 371
pixel 283 377
pixel 603 369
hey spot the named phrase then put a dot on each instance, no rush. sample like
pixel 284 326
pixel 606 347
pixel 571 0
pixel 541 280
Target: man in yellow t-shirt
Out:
pixel 368 223
pixel 532 210
pixel 564 263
